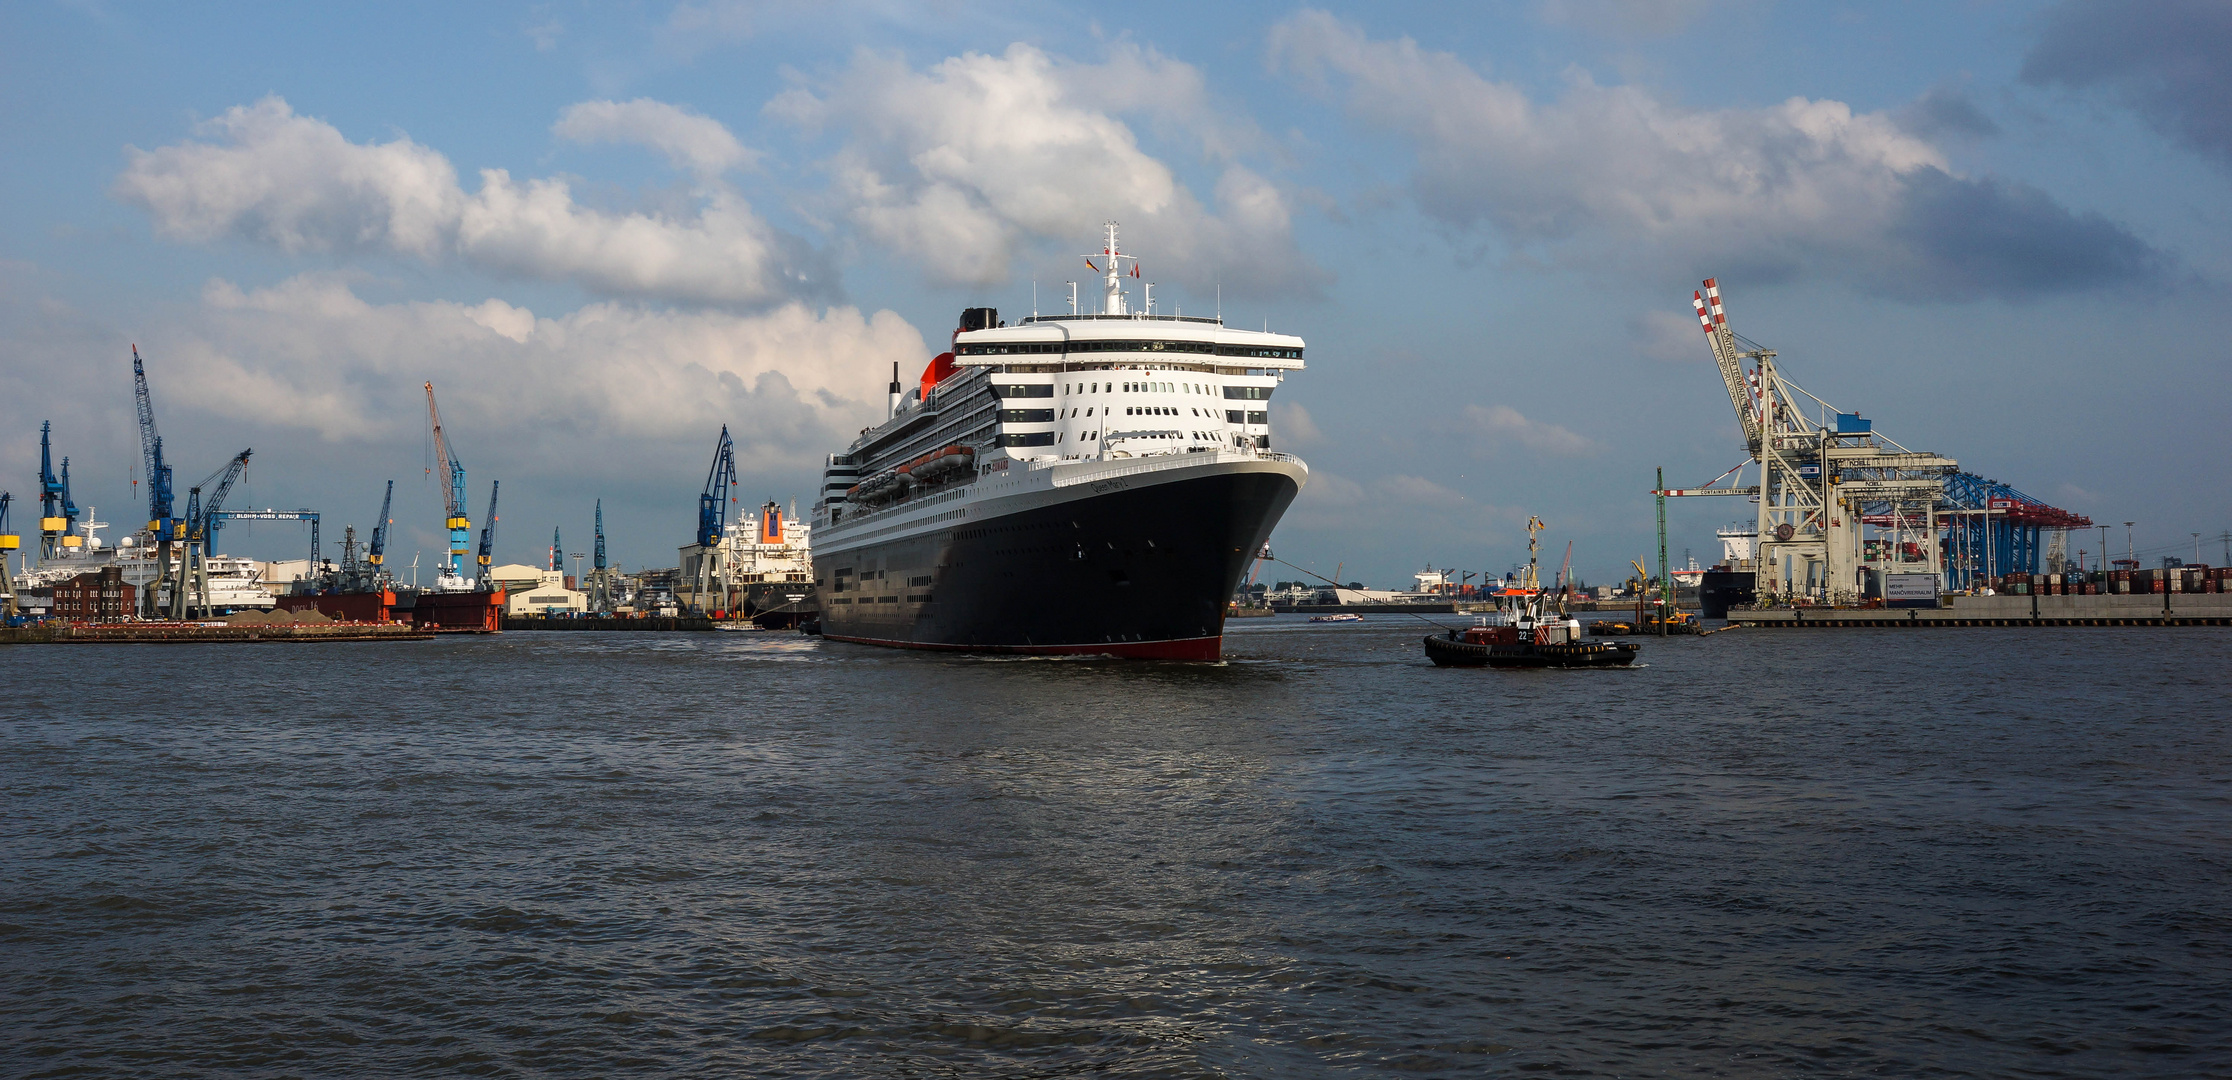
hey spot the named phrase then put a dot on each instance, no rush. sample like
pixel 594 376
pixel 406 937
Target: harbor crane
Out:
pixel 57 513
pixel 1821 472
pixel 713 505
pixel 159 501
pixel 600 590
pixel 190 588
pixel 487 552
pixel 453 499
pixel 9 543
pixel 376 553
pixel 557 550
pixel 713 502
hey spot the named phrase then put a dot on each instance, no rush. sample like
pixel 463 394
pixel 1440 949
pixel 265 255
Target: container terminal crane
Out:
pixel 1826 478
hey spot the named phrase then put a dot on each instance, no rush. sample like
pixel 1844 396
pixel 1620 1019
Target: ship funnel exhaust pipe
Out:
pixel 895 391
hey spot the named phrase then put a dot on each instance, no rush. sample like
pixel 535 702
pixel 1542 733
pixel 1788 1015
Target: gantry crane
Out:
pixel 1819 475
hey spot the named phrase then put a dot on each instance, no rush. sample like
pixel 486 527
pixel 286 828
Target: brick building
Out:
pixel 94 596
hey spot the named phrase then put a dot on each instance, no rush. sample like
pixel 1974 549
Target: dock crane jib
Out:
pixel 1743 391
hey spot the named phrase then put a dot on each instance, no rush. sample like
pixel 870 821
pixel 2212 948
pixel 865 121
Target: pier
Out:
pixel 2171 609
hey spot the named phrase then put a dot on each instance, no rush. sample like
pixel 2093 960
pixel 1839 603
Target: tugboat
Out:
pixel 1525 633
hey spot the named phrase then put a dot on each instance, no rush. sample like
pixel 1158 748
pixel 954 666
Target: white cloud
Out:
pixel 791 382
pixel 295 182
pixel 1505 425
pixel 963 165
pixel 1669 335
pixel 698 144
pixel 1613 178
pixel 1294 425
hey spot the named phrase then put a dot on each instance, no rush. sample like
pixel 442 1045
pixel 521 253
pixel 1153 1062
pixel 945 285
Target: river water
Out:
pixel 1940 853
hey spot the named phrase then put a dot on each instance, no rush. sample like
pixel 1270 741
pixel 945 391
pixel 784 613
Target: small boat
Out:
pixel 1554 644
pixel 739 627
pixel 1523 633
pixel 1342 617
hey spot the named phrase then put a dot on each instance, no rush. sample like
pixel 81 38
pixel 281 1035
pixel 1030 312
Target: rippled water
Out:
pixel 1991 853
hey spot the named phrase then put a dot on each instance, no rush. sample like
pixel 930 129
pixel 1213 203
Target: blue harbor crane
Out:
pixel 57 514
pixel 159 523
pixel 713 505
pixel 488 538
pixel 377 553
pixel 557 549
pixel 190 589
pixel 600 586
pixel 453 493
pixel 713 502
pixel 200 514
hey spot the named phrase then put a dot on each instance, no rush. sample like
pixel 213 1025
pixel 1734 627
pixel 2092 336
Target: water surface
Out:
pixel 1945 853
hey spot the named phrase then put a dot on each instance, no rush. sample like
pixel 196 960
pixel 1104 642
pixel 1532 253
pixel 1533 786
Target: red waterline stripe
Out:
pixel 1208 648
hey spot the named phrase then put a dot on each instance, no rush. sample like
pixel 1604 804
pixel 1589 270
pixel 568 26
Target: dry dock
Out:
pixel 2181 609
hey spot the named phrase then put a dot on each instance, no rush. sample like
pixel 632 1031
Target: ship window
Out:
pixel 918 581
pixel 1026 416
pixel 1235 416
pixel 1249 393
pixel 1259 418
pixel 1045 390
pixel 1033 438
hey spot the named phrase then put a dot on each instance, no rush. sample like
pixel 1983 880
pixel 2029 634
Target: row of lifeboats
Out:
pixel 929 470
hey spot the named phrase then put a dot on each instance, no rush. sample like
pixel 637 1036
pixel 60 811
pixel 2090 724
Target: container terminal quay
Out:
pixel 1841 527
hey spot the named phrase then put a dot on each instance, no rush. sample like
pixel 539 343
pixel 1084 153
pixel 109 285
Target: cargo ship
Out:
pixel 1087 484
pixel 760 572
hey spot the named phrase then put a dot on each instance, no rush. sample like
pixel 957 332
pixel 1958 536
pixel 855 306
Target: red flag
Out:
pixel 1135 269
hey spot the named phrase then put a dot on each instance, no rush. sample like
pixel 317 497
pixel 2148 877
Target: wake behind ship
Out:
pixel 1072 484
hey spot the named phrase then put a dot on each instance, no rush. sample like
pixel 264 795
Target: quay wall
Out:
pixel 2181 609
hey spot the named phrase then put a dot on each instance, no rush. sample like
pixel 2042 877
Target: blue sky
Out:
pixel 1998 229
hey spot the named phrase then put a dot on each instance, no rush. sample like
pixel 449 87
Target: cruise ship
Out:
pixel 1089 483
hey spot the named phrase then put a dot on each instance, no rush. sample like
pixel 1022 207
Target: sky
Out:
pixel 1999 230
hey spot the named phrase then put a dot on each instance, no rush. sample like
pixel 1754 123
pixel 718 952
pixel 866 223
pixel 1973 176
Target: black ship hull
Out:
pixel 1134 567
